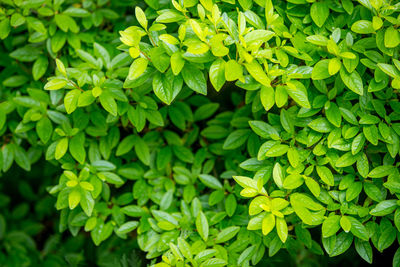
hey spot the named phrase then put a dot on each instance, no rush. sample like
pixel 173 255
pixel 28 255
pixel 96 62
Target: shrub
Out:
pixel 211 131
pixel 29 231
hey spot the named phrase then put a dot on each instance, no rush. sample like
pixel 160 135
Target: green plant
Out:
pixel 29 228
pixel 301 142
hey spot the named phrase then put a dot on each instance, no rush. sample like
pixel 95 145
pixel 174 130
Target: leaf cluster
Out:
pixel 308 144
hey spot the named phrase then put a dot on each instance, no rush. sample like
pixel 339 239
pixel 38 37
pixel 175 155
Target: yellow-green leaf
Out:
pixel 55 84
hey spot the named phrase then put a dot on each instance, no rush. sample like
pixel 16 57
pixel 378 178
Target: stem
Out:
pixel 146 56
pixel 76 86
pixel 151 39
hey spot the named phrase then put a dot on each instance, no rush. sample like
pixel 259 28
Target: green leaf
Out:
pixel 142 150
pixel 363 27
pixel 373 192
pixel 381 171
pixel 236 139
pixel 309 211
pixel 15 81
pixel 233 70
pixel 133 211
pixel 371 134
pixel 141 17
pixel 108 103
pixel 247 254
pixel 389 70
pixel 44 129
pixel 387 236
pixel 319 13
pixel 205 111
pixel 353 81
pixel 87 202
pixel 268 223
pixel 210 181
pixel 267 96
pixel 214 262
pixel 194 79
pixel 74 197
pixel 333 114
pixel 55 84
pixel 39 68
pixel 334 66
pixel 169 17
pixel 277 150
pixel 357 144
pixel 330 226
pixel 343 243
pixel 321 125
pixel 184 247
pixel 258 73
pixel 353 191
pixel 127 227
pixel 71 100
pixel 321 70
pixel 345 224
pixel 76 12
pixel 177 63
pixel 21 158
pixel 202 225
pixel 317 40
pixel 125 145
pixel 159 59
pixel 7 157
pixel 264 129
pixel 396 258
pixel 230 205
pixel 167 87
pixel 358 229
pixel 163 216
pixel 58 41
pixel 254 207
pixel 364 249
pixel 215 132
pixel 4 28
pixel 26 54
pixel 282 229
pixel 61 148
pixel 348 116
pixel 77 149
pixel 293 181
pixel 384 208
pixel 111 178
pixel 392 37
pixel 183 153
pixel 274 246
pixel 247 182
pixel 298 92
pixel 217 74
pixel 293 156
pixel 326 175
pixel 346 160
pixel 62 21
pixel 227 234
pixel 313 186
pixel 137 68
pixel 85 56
pixel 86 98
pixel 61 67
pixel 277 175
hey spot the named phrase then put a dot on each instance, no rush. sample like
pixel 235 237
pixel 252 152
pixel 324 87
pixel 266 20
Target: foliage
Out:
pixel 29 234
pixel 299 146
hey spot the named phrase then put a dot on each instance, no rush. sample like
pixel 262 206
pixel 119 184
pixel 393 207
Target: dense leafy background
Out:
pixel 207 133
